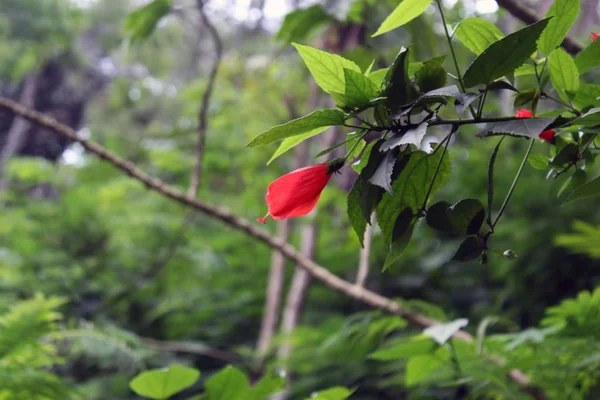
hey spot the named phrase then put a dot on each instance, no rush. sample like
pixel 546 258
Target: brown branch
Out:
pixel 203 113
pixel 315 270
pixel 191 348
pixel 520 11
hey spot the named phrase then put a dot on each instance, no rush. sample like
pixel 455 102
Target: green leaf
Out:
pixel 410 188
pixel 404 13
pixel 525 69
pixel 501 85
pixel 442 332
pixel 378 76
pixel 524 127
pixel 160 384
pixel 588 190
pixel 470 249
pixel 563 13
pixel 563 71
pixel 360 90
pixel 504 56
pixel 298 25
pixel 398 88
pixel 311 124
pixel 268 385
pixel 477 34
pixel 463 218
pixel 420 368
pixel 577 179
pixel 401 235
pixel 432 75
pixel 228 384
pixel 590 118
pixel 538 161
pixel 525 98
pixel 587 95
pixel 140 23
pixel 566 155
pixel 364 159
pixel 412 136
pixel 291 142
pixel 326 68
pixel 416 345
pixel 334 393
pixel 588 58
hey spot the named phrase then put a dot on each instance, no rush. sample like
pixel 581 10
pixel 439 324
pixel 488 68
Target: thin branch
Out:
pixel 315 270
pixel 519 10
pixel 192 348
pixel 202 114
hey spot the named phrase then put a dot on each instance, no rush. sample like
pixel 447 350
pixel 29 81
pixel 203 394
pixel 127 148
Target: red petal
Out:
pixel 524 113
pixel 263 219
pixel 594 36
pixel 302 209
pixel 548 135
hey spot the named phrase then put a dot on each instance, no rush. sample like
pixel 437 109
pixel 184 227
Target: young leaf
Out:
pixel 378 76
pixel 530 128
pixel 410 188
pixel 312 123
pixel 563 71
pixel 141 23
pixel 401 234
pixel 298 25
pixel 505 55
pixel 160 384
pixel 398 88
pixel 563 13
pixel 432 75
pixel 588 58
pixel 359 90
pixel 412 136
pixel 405 12
pixel 382 176
pixel 326 68
pixel 228 384
pixel 477 34
pixel 588 190
pixel 442 332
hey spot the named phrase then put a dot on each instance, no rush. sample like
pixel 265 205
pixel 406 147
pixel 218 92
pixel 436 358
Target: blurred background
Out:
pixel 142 282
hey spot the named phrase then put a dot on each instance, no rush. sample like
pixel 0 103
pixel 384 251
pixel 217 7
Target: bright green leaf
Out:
pixel 563 13
pixel 312 123
pixel 141 23
pixel 266 386
pixel 228 384
pixel 160 384
pixel 406 348
pixel 291 142
pixel 432 74
pixel 405 12
pixel 298 25
pixel 334 393
pixel 477 34
pixel 419 369
pixel 360 90
pixel 563 71
pixel 588 58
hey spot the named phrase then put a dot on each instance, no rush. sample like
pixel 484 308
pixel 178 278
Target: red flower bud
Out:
pixel 548 135
pixel 296 194
pixel 594 36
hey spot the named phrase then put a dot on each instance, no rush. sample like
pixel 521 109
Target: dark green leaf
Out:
pixel 406 11
pixel 432 75
pixel 463 218
pixel 326 68
pixel 477 34
pixel 398 88
pixel 568 154
pixel 525 97
pixel 470 249
pixel 141 23
pixel 587 95
pixel 530 128
pixel 563 71
pixel 401 234
pixel 412 136
pixel 590 118
pixel 464 100
pixel 442 332
pixel 501 85
pixel 538 161
pixel 360 90
pixel 160 384
pixel 589 58
pixel 588 190
pixel 310 124
pixel 505 55
pixel 577 179
pixel 563 13
pixel 299 24
pixel 410 188
pixel 382 176
pixel 228 384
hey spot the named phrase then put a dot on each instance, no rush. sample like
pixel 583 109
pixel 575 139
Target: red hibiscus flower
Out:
pixel 296 194
pixel 548 135
pixel 594 36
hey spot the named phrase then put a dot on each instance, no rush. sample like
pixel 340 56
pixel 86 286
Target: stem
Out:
pixel 356 144
pixel 570 107
pixel 439 164
pixel 514 184
pixel 481 104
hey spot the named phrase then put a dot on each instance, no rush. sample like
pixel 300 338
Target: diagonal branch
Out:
pixel 315 270
pixel 520 11
pixel 202 114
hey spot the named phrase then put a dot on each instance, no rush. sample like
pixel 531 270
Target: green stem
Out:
pixel 570 107
pixel 481 104
pixel 514 184
pixel 439 164
pixel 356 144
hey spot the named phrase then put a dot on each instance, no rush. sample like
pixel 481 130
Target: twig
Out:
pixel 315 270
pixel 522 12
pixel 192 348
pixel 202 114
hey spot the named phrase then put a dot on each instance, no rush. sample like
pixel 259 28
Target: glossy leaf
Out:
pixel 228 384
pixel 563 71
pixel 359 90
pixel 406 11
pixel 590 189
pixel 477 34
pixel 160 384
pixel 326 68
pixel 505 55
pixel 563 13
pixel 309 125
pixel 298 25
pixel 530 128
pixel 588 58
